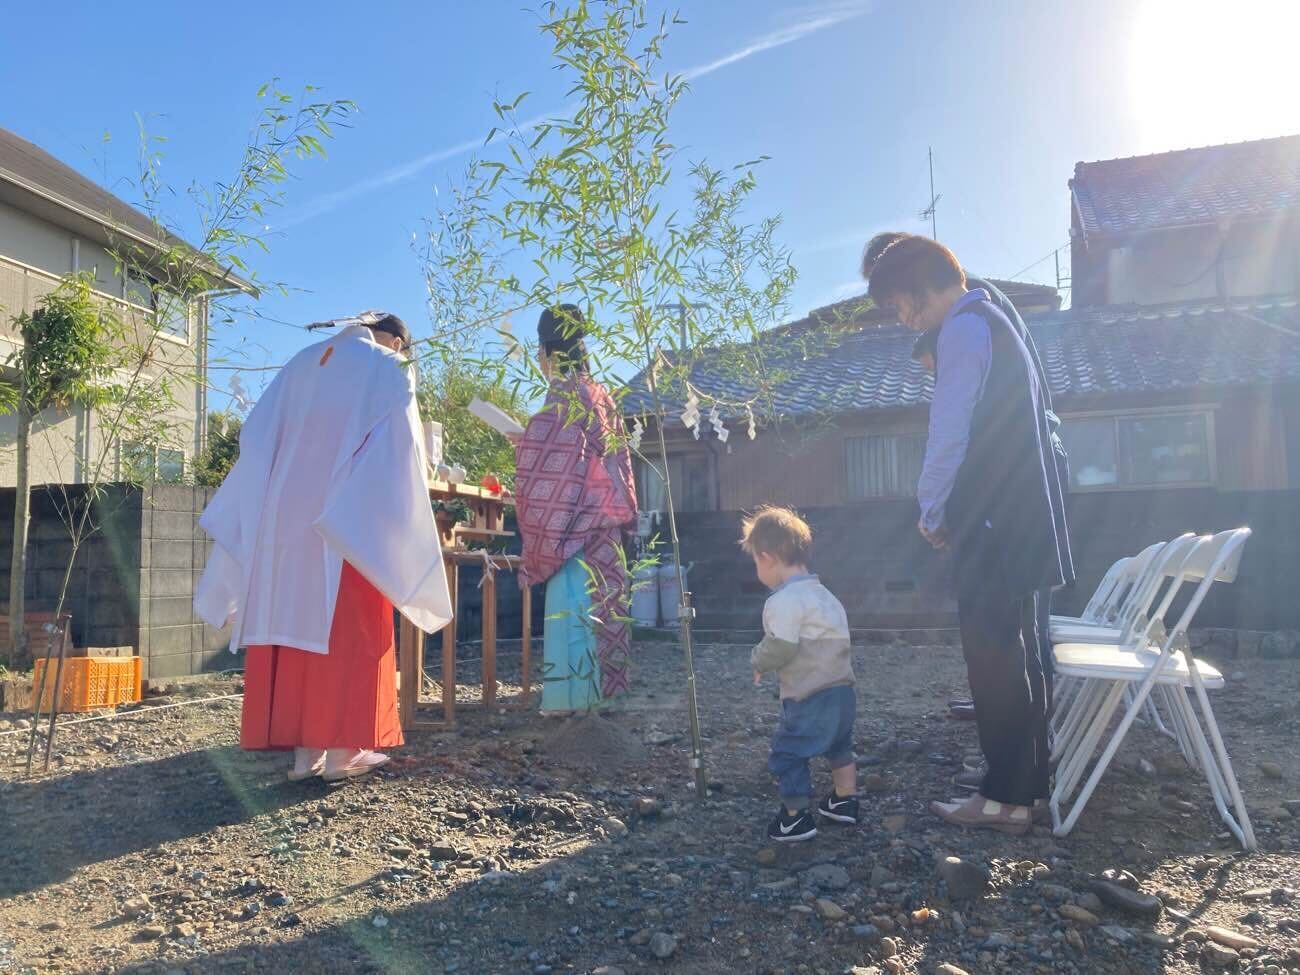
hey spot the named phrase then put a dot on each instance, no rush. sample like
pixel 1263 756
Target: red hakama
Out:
pixel 346 698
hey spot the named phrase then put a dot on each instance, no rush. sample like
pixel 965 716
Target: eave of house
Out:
pixel 62 212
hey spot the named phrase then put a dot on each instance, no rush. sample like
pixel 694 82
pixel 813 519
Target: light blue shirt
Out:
pixel 965 352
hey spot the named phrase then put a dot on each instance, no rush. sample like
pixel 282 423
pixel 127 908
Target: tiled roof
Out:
pixel 1190 186
pixel 1086 352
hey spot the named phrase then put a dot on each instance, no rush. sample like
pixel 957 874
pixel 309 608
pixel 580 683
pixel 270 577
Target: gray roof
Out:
pixel 30 168
pixel 1188 187
pixel 1087 352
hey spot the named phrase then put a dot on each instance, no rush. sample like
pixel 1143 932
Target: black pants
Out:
pixel 1004 664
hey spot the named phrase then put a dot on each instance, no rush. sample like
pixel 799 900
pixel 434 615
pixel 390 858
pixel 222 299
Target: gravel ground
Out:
pixel 157 846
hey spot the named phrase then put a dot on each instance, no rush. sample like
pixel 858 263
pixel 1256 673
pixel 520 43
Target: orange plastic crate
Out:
pixel 91 682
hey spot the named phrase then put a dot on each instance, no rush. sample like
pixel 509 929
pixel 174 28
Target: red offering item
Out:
pixel 491 483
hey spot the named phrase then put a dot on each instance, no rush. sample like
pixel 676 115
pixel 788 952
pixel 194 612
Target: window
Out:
pixel 146 463
pixel 883 466
pixel 173 315
pixel 1142 450
pixel 692 484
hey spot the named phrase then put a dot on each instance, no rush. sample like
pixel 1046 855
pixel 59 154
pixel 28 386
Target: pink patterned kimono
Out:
pixel 573 496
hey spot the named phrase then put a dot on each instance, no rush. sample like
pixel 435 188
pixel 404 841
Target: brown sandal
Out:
pixel 980 813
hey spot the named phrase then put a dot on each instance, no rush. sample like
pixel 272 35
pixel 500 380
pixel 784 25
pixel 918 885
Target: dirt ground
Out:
pixel 523 844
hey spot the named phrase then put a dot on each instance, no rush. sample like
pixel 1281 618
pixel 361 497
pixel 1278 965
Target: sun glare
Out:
pixel 1205 71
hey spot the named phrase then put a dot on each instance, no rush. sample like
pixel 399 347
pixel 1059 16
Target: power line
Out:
pixel 1048 256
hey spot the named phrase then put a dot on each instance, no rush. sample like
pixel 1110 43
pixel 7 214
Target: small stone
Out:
pixel 1055 893
pixel 379 921
pixel 1124 899
pixel 607 970
pixel 766 856
pixel 888 947
pixel 947 969
pixel 880 876
pixel 1090 902
pixel 55 925
pixel 663 946
pixel 873 782
pixel 894 824
pixel 1257 894
pixel 443 852
pixel 867 932
pixel 894 967
pixel 278 899
pixel 1121 877
pixel 647 807
pixel 1220 956
pixel 826 876
pixel 1117 934
pixel 615 827
pixel 151 933
pixel 965 880
pixel 136 906
pixel 1231 939
pixel 399 852
pixel 1074 939
pixel 829 910
pixel 1270 770
pixel 183 930
pixel 1079 915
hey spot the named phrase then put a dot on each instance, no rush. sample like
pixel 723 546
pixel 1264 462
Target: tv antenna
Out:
pixel 929 212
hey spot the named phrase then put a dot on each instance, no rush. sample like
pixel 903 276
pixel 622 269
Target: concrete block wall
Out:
pixel 133 578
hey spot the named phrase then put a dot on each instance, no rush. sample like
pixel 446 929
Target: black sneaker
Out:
pixel 840 810
pixel 787 828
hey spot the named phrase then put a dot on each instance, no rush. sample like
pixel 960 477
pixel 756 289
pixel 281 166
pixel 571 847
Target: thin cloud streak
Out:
pixel 328 202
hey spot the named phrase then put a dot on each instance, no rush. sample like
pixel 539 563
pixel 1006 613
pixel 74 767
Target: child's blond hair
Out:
pixel 777 532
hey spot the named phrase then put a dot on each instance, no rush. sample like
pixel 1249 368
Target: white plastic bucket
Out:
pixel 645 595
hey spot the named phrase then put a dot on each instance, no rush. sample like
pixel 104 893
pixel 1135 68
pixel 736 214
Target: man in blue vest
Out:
pixel 991 493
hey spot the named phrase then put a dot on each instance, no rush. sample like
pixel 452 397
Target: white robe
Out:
pixel 331 468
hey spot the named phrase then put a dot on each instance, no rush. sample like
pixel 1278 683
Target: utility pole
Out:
pixel 929 212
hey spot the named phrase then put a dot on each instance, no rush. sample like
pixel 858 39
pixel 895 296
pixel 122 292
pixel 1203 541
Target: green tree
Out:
pixel 588 207
pixel 221 452
pixel 119 357
pixel 445 389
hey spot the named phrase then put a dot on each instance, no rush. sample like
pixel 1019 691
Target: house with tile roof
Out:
pixel 53 222
pixel 1180 396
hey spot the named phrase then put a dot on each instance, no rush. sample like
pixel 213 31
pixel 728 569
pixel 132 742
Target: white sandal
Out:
pixel 360 763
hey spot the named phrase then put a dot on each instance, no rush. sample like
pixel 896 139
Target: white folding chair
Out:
pixel 1116 577
pixel 1108 670
pixel 1129 603
pixel 1129 612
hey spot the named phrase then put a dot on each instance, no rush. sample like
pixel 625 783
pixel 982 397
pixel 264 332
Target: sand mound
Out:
pixel 592 741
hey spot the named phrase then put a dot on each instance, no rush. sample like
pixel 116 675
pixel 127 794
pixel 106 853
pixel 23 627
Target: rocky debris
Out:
pixel 965 880
pixel 136 906
pixel 1219 955
pixel 893 824
pixel 826 876
pixel 1126 899
pixel 662 946
pixel 1080 916
pixel 1271 770
pixel 947 969
pixel 888 947
pixel 829 910
pixel 1231 939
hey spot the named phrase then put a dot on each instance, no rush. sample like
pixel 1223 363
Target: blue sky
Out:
pixel 845 97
